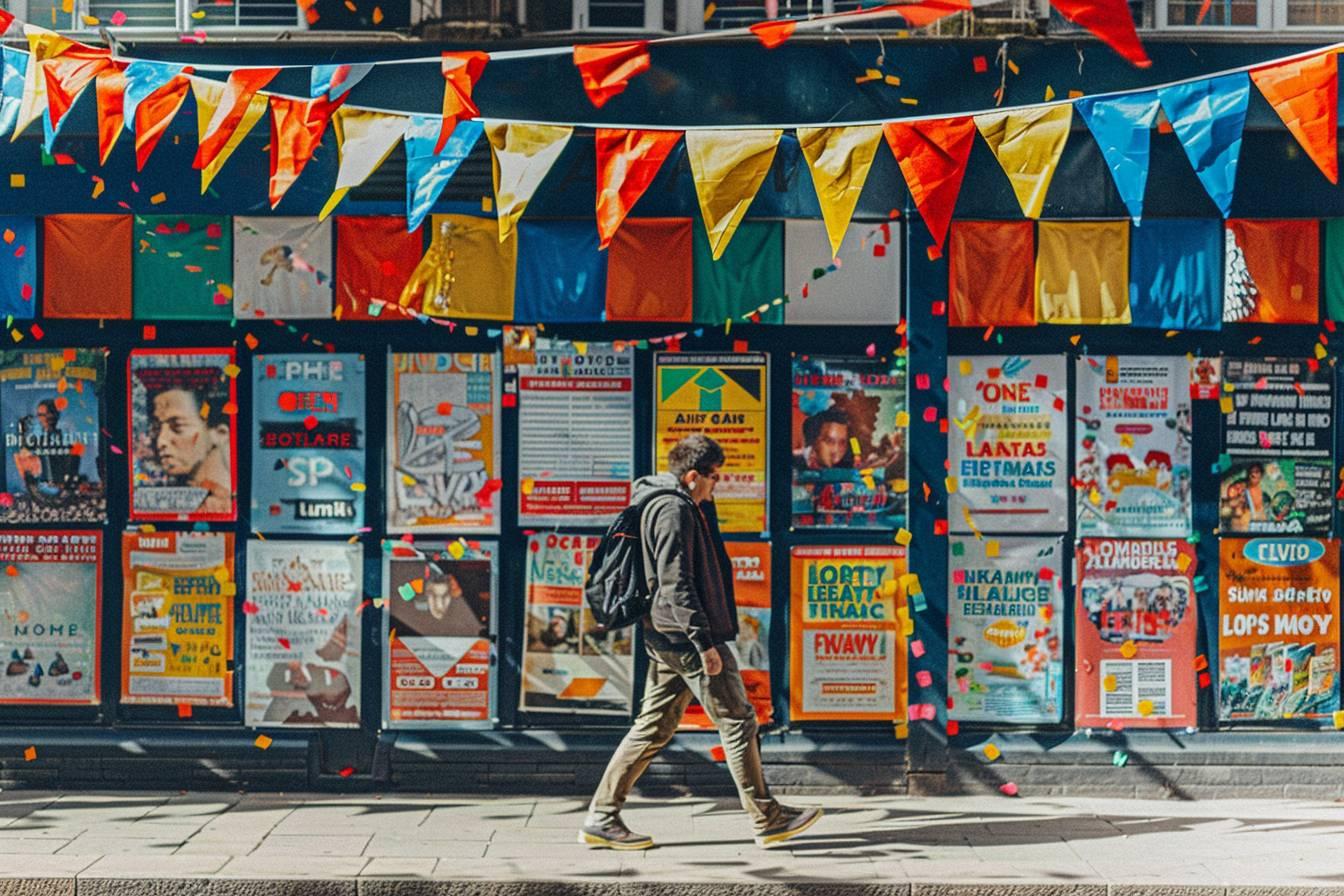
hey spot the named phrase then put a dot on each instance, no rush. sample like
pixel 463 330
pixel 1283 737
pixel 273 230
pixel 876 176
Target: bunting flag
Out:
pixel 225 114
pixel 335 81
pixel 110 89
pixel 933 155
pixel 1208 117
pixel 153 113
pixel 461 71
pixel 428 170
pixel 1028 144
pixel 773 33
pixel 1111 21
pixel 606 69
pixel 42 44
pixel 364 140
pixel 522 154
pixel 728 168
pixel 11 88
pixel 296 130
pixel 926 12
pixel 1305 94
pixel 1122 127
pixel 65 75
pixel 6 19
pixel 839 159
pixel 627 163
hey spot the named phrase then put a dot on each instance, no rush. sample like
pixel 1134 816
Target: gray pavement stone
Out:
pixel 215 886
pixel 11 847
pixel 44 886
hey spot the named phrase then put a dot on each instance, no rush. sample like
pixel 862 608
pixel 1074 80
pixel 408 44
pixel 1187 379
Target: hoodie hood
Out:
pixel 644 485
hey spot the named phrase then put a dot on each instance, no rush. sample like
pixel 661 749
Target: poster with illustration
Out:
pixel 182 409
pixel 848 430
pixel 281 268
pixel 51 405
pixel 1278 628
pixel 442 442
pixel 302 634
pixel 1005 652
pixel 1008 443
pixel 1136 625
pixel 308 457
pixel 50 617
pixel 1132 446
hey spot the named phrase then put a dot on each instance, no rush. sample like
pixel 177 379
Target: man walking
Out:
pixel 686 633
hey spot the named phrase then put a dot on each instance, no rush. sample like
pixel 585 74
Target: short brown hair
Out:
pixel 696 452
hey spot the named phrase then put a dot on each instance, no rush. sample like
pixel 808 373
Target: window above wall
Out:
pixel 161 15
pixel 1249 15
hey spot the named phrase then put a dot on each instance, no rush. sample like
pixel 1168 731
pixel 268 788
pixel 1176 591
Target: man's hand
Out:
pixel 712 662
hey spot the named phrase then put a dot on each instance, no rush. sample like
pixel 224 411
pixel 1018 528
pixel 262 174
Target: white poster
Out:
pixel 282 268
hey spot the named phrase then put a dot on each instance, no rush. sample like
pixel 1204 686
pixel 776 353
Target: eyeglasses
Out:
pixel 713 476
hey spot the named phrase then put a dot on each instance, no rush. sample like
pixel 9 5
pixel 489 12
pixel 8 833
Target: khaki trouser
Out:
pixel 673 679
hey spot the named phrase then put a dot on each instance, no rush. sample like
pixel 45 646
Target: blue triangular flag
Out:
pixel 335 81
pixel 11 88
pixel 427 172
pixel 142 79
pixel 1122 127
pixel 1208 117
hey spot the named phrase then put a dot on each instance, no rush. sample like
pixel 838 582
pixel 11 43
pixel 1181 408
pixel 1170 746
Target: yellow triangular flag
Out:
pixel 521 154
pixel 728 167
pixel 1028 145
pixel 364 139
pixel 839 159
pixel 42 44
pixel 209 94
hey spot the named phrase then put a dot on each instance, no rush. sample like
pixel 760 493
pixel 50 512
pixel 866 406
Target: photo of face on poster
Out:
pixel 1261 496
pixel 1141 606
pixel 453 599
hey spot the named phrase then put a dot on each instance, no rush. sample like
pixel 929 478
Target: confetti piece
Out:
pixel 1201 663
pixel 149 333
pixel 992 548
pixel 924 678
pixel 17 181
pixel 1145 708
pixel 917 648
pixel 991 751
pixel 118 18
pixel 951 483
pixel 1008 788
pixel 1119 758
pixel 1339 720
pixel 184 710
pixel 263 742
pixel 904 536
pixel 1108 684
pixel 232 370
pixel 251 341
pixel 11 570
pixel 30 754
pixel 158 199
pixel 1129 650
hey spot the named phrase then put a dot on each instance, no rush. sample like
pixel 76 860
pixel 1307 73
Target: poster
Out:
pixel 438 623
pixel 182 408
pixel 1136 624
pixel 1005 647
pixel 50 616
pixel 1133 446
pixel 724 397
pixel 281 267
pixel 1008 443
pixel 848 627
pixel 442 442
pixel 177 625
pixel 849 425
pixel 1278 447
pixel 308 457
pixel 576 433
pixel 51 403
pixel 1278 628
pixel 569 663
pixel 303 633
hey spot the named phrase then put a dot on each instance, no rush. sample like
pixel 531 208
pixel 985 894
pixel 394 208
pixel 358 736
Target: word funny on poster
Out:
pixel 443 442
pixel 1005 650
pixel 50 616
pixel 1133 447
pixel 576 433
pixel 1278 446
pixel 1278 628
pixel 570 664
pixel 1008 444
pixel 303 644
pixel 51 405
pixel 438 625
pixel 182 408
pixel 1136 624
pixel 847 633
pixel 724 397
pixel 849 426
pixel 308 457
pixel 177 625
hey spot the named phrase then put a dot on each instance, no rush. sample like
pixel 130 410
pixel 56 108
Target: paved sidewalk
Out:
pixel 405 845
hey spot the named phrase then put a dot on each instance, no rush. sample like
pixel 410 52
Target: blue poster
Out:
pixel 308 462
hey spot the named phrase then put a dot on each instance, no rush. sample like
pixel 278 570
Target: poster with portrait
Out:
pixel 724 397
pixel 576 433
pixel 51 406
pixel 443 442
pixel 1136 625
pixel 1278 446
pixel 1132 446
pixel 1005 653
pixel 183 456
pixel 849 448
pixel 302 634
pixel 438 623
pixel 50 617
pixel 308 457
pixel 177 621
pixel 1278 628
pixel 569 663
pixel 847 633
pixel 1008 443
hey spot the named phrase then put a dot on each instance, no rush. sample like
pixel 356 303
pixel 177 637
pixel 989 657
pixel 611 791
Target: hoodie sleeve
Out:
pixel 676 606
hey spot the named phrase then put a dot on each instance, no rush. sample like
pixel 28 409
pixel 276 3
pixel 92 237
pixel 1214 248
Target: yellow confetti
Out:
pixel 357 486
pixel 407 479
pixel 1129 650
pixel 16 335
pixel 991 751
pixel 992 548
pixel 893 80
pixel 158 199
pixel 581 347
pixel 225 290
pixel 487 204
pixel 902 419
pixel 910 101
pixel 951 483
pixel 17 181
pixel 1182 562
pixel 263 742
pixel 228 589
pixel 910 582
pixel 966 367
pixel 1320 352
pixel 903 536
pixel 1339 720
pixel 472 331
pixel 1225 404
pixel 1094 496
pixel 1049 93
pixel 232 370
pixel 455 548
pixel 1126 440
pixel 899 486
pixel 854 446
pixel 1012 67
pixel 1145 708
pixel 710 9
pixel 1108 684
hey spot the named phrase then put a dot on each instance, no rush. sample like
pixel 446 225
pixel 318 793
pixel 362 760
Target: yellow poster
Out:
pixel 724 397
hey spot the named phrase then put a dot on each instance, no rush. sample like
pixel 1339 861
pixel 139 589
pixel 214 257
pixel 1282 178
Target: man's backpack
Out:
pixel 617 589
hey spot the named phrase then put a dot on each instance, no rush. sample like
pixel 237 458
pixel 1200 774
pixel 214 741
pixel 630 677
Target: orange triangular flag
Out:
pixel 67 74
pixel 627 162
pixel 111 92
pixel 932 156
pixel 773 33
pixel 606 69
pixel 154 114
pixel 1305 94
pixel 926 12
pixel 461 71
pixel 297 127
pixel 242 85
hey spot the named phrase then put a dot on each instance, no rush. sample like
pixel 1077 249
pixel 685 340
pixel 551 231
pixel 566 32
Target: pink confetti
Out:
pixel 924 678
pixel 1008 789
pixel 118 18
pixel 917 648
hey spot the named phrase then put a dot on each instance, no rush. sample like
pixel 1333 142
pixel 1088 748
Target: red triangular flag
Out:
pixel 242 85
pixel 773 33
pixel 6 19
pixel 1305 94
pixel 932 156
pixel 67 74
pixel 297 127
pixel 918 15
pixel 627 162
pixel 111 93
pixel 154 114
pixel 1109 20
pixel 461 71
pixel 606 69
